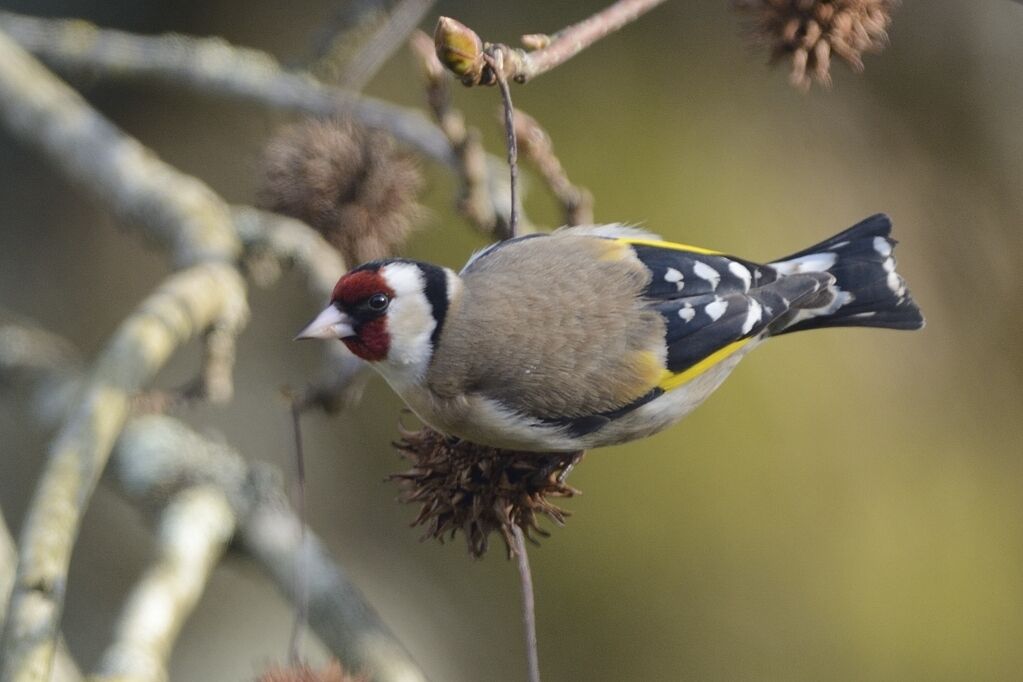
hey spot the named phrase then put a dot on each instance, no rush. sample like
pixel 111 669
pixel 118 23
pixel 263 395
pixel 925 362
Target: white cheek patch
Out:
pixel 410 323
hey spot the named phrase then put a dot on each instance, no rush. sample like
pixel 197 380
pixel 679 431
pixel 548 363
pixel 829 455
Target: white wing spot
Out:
pixel 888 265
pixel 675 277
pixel 814 262
pixel 753 316
pixel 742 272
pixel 883 247
pixel 896 284
pixel 687 313
pixel 716 308
pixel 705 272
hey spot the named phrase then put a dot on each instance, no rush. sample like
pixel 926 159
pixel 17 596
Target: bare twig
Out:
pixel 339 36
pixel 177 209
pixel 537 148
pixel 528 607
pixel 520 65
pixel 64 667
pixel 157 455
pixel 212 66
pixel 401 21
pixel 475 201
pixel 193 532
pixel 186 304
pixel 301 569
pixel 495 63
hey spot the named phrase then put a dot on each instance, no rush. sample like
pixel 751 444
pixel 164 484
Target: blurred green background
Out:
pixel 847 507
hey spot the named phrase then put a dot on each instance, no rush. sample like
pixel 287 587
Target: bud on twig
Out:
pixel 459 49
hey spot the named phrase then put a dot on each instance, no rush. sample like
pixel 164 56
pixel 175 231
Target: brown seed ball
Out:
pixel 463 487
pixel 809 32
pixel 350 183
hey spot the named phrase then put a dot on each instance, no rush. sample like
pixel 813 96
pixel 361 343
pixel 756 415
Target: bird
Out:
pixel 596 335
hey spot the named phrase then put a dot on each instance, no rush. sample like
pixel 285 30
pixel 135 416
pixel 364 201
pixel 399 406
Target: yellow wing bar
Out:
pixel 669 245
pixel 670 380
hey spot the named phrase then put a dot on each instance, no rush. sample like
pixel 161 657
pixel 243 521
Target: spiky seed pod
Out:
pixel 477 489
pixel 350 183
pixel 810 31
pixel 304 673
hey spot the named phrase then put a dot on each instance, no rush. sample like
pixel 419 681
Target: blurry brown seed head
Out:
pixel 809 32
pixel 476 490
pixel 352 184
pixel 303 673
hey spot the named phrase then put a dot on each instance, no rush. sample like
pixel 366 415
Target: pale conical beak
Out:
pixel 330 324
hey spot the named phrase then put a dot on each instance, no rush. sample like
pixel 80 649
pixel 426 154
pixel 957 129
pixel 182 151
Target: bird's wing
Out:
pixel 713 304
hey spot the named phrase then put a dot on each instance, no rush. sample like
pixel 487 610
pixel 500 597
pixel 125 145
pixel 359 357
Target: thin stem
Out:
pixel 528 607
pixel 496 63
pixel 301 561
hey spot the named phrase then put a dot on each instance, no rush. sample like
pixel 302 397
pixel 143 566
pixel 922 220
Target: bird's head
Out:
pixel 388 312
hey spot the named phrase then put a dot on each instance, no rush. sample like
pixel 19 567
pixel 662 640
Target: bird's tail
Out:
pixel 867 292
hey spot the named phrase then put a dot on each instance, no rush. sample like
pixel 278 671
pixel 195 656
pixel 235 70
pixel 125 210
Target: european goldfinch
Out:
pixel 591 336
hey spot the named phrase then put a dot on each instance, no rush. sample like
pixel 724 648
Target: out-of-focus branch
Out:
pixel 157 455
pixel 475 200
pixel 182 307
pixel 290 242
pixel 462 50
pixel 178 210
pixel 64 667
pixel 537 148
pixel 213 67
pixel 388 37
pixel 193 531
pixel 339 36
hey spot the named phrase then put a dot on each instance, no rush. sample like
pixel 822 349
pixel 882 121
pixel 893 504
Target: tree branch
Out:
pixel 64 667
pixel 401 21
pixel 537 148
pixel 180 308
pixel 178 210
pixel 194 529
pixel 157 455
pixel 462 51
pixel 213 66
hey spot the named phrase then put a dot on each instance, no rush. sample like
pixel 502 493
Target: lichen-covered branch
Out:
pixel 157 455
pixel 462 50
pixel 174 208
pixel 213 67
pixel 186 304
pixel 64 667
pixel 192 534
pixel 474 201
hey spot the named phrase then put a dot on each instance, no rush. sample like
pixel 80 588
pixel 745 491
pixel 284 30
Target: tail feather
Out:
pixel 867 292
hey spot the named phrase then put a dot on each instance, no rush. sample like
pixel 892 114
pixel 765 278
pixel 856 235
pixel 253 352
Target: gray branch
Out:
pixel 178 210
pixel 158 455
pixel 213 66
pixel 185 305
pixel 64 667
pixel 192 534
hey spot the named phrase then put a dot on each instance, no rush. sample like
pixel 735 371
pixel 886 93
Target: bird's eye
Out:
pixel 378 302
